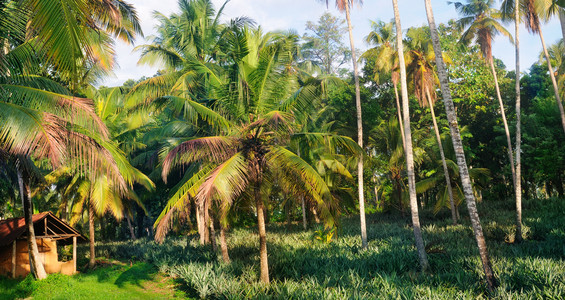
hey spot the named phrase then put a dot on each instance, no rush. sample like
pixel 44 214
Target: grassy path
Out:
pixel 111 281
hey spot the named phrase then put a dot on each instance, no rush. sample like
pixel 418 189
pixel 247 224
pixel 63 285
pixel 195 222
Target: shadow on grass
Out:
pixel 136 274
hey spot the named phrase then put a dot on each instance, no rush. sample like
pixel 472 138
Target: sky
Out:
pixel 274 15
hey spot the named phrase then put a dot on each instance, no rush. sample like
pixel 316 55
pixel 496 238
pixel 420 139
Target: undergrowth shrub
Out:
pixel 303 268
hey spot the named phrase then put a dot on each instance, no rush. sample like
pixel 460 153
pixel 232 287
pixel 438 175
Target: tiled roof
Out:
pixel 14 228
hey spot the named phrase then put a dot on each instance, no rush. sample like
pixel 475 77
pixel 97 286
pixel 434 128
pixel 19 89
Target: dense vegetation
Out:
pixel 303 266
pixel 244 129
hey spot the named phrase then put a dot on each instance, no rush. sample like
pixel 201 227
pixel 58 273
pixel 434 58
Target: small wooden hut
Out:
pixel 14 257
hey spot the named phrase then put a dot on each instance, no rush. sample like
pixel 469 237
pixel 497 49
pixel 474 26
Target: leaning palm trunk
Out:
pixel 459 152
pixel 92 260
pixel 224 244
pixel 518 189
pixel 36 266
pixel 503 114
pixel 262 236
pixel 553 81
pixel 408 142
pixel 443 162
pixel 359 132
pixel 562 21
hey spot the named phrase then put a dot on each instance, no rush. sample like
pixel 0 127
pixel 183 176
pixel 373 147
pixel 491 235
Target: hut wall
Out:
pixel 47 253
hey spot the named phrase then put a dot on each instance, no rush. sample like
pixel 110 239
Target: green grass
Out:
pixel 301 267
pixel 117 281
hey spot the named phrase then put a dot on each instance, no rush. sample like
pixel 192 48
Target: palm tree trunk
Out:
pixel 459 152
pixel 302 201
pixel 224 244
pixel 304 219
pixel 359 132
pixel 213 235
pixel 199 225
pixel 553 81
pixel 562 21
pixel 518 189
pixel 377 205
pixel 262 236
pixel 399 113
pixel 408 149
pixel 503 114
pixel 443 162
pixel 92 260
pixel 131 231
pixel 315 214
pixel 201 220
pixel 36 266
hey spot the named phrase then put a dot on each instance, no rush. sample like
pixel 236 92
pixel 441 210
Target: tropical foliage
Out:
pixel 242 129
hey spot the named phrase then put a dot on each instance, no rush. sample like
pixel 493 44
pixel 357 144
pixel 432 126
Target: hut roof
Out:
pixel 45 224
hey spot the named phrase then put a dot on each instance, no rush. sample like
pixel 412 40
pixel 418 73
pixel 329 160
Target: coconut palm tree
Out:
pixel 385 58
pixel 511 11
pixel 518 189
pixel 481 22
pixel 40 117
pixel 534 12
pixel 344 6
pixel 408 142
pixel 554 8
pixel 459 152
pixel 186 45
pixel 257 96
pixel 420 68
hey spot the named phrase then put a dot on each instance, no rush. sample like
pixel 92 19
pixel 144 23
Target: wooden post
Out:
pixel 74 254
pixel 14 247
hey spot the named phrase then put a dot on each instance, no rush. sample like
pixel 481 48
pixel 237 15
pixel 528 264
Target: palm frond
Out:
pixel 216 148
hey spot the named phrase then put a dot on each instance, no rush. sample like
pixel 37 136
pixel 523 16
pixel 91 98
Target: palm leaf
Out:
pixel 216 149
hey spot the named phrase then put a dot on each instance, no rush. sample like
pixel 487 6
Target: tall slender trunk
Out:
pixel 562 21
pixel 304 219
pixel 408 149
pixel 518 189
pixel 35 264
pixel 303 202
pixel 399 113
pixel 553 81
pixel 63 208
pixel 224 244
pixel 459 152
pixel 262 236
pixel 92 260
pixel 131 231
pixel 503 114
pixel 443 162
pixel 377 196
pixel 213 234
pixel 359 132
pixel 201 220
